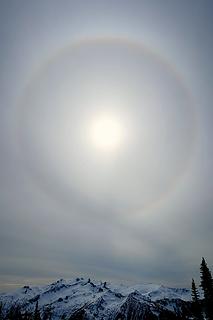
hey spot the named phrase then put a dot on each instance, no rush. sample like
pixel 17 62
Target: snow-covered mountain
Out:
pixel 84 299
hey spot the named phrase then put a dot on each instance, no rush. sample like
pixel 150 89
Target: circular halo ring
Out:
pixel 20 111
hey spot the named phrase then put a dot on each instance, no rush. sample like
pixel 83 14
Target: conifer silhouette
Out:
pixel 196 307
pixel 207 286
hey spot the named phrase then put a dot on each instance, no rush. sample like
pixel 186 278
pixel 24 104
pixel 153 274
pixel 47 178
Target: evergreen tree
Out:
pixel 195 293
pixel 207 286
pixel 1 311
pixel 47 314
pixel 196 307
pixel 36 315
pixel 14 313
pixel 27 315
pixel 10 313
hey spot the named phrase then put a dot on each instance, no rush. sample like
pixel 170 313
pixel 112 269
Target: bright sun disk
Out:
pixel 106 132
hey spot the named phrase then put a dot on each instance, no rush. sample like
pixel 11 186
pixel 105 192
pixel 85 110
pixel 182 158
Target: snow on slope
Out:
pixel 101 299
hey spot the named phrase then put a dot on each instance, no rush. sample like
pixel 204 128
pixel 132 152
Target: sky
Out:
pixel 105 140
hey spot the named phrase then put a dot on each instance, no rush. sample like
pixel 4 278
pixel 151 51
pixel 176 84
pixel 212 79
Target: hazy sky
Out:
pixel 133 202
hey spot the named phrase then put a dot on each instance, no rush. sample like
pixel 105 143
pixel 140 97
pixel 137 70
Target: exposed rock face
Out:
pixel 136 307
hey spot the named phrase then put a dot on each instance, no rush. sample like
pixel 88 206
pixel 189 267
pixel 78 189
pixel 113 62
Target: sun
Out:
pixel 106 132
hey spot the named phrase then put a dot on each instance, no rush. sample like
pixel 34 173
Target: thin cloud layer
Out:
pixel 142 213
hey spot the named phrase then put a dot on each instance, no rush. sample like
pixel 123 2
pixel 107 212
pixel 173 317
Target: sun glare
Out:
pixel 106 132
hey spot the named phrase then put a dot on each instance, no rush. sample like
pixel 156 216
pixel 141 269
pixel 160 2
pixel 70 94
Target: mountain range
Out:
pixel 88 299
